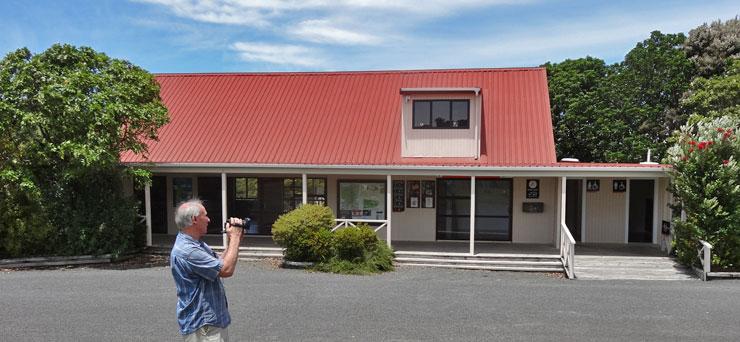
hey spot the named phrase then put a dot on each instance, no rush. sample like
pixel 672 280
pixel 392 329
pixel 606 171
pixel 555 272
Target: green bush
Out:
pixel 353 244
pixel 706 185
pixel 358 251
pixel 305 233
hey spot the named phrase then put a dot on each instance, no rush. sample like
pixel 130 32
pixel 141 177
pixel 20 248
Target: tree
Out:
pixel 715 96
pixel 706 186
pixel 66 115
pixel 711 46
pixel 616 113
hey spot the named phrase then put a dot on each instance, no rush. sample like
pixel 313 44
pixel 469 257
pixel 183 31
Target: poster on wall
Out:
pixel 399 195
pixel 427 194
pixel 414 188
pixel 533 188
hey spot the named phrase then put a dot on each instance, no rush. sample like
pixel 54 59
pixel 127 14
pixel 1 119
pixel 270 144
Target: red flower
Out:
pixel 710 143
pixel 720 129
pixel 691 150
pixel 726 135
pixel 684 158
pixel 725 162
pixel 702 145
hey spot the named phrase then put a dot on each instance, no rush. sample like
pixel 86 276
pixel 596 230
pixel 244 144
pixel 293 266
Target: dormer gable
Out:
pixel 440 122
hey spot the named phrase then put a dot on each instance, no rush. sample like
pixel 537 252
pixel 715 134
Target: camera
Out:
pixel 244 225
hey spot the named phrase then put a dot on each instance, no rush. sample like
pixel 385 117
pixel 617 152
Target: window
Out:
pixel 362 200
pixel 438 114
pixel 246 188
pixel 293 192
pixel 182 190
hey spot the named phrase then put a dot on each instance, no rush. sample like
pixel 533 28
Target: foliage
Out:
pixel 614 113
pixel 305 233
pixel 358 251
pixel 715 96
pixel 353 243
pixel 711 46
pixel 66 115
pixel 706 184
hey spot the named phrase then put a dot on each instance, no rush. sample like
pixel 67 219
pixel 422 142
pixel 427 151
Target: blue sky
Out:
pixel 287 35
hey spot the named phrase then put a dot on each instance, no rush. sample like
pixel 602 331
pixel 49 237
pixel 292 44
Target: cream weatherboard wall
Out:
pixel 534 227
pixel 440 142
pixel 605 214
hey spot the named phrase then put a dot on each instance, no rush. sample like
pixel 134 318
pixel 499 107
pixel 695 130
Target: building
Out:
pixel 430 155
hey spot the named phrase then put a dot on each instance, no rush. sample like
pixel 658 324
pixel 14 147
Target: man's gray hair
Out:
pixel 186 211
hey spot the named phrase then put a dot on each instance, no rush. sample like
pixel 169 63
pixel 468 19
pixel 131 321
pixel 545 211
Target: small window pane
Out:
pixel 252 188
pixel 422 111
pixel 182 190
pixel 241 188
pixel 460 114
pixel 440 113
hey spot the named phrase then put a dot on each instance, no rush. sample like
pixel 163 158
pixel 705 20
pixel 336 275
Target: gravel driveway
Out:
pixel 411 304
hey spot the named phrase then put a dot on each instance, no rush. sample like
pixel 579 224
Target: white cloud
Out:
pixel 322 31
pixel 277 54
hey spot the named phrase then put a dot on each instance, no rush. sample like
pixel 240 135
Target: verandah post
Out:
pixel 388 209
pixel 304 185
pixel 148 213
pixel 472 215
pixel 224 213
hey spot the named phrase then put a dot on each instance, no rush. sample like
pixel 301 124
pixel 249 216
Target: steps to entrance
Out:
pixel 256 253
pixel 606 267
pixel 490 262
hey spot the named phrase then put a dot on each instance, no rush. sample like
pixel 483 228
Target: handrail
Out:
pixel 705 257
pixel 344 223
pixel 567 250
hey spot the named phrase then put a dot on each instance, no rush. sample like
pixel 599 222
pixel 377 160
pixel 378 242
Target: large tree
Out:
pixel 66 115
pixel 711 46
pixel 615 113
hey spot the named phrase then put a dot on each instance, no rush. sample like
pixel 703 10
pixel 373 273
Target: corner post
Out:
pixel 148 213
pixel 472 215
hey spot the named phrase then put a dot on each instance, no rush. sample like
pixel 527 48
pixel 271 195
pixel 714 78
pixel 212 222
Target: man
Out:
pixel 202 309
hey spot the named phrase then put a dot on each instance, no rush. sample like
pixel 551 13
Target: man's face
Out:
pixel 201 221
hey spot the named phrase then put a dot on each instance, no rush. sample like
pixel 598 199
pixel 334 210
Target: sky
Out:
pixel 166 36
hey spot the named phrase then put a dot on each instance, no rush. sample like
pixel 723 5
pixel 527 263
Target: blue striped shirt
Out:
pixel 201 298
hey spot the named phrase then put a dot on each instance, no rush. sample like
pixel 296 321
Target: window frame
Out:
pixel 366 181
pixel 450 102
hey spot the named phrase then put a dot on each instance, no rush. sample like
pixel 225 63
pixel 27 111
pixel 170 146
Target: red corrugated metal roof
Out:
pixel 341 118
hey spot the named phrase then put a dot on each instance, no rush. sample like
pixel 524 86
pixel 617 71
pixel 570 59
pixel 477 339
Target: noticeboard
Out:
pixel 399 195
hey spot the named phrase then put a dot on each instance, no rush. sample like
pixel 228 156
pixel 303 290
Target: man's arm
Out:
pixel 231 255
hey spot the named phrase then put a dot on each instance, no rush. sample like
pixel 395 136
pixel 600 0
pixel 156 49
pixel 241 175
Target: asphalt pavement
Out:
pixel 410 304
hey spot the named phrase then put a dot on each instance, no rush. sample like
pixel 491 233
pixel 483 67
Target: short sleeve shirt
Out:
pixel 201 298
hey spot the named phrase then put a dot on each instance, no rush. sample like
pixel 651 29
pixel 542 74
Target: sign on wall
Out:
pixel 619 185
pixel 533 188
pixel 592 185
pixel 414 194
pixel 427 194
pixel 399 195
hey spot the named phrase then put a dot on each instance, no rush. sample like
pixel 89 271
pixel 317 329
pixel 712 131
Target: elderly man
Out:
pixel 202 309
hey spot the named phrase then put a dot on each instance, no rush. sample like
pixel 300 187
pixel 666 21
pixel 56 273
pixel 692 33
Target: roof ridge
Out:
pixel 356 72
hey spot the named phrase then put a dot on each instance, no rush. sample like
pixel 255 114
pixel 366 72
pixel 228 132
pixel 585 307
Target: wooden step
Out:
pixel 479 262
pixel 490 268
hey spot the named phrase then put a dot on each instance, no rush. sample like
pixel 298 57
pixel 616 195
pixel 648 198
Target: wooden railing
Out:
pixel 705 257
pixel 346 223
pixel 567 250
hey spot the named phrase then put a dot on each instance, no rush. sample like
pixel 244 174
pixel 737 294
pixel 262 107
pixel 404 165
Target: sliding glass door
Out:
pixel 492 209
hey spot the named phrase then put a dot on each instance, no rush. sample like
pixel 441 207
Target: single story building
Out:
pixel 431 155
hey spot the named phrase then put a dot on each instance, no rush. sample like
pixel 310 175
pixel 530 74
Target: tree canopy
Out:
pixel 66 115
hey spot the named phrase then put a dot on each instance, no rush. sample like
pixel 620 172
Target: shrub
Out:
pixel 305 233
pixel 358 251
pixel 354 243
pixel 706 185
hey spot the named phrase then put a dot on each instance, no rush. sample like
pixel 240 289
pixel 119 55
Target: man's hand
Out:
pixel 232 231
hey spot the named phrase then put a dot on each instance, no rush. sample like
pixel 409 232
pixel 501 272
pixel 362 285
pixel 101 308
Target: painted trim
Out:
pixel 388 208
pixel 436 171
pixel 224 207
pixel 148 213
pixel 472 215
pixel 583 211
pixel 656 210
pixel 304 188
pixel 440 90
pixel 627 212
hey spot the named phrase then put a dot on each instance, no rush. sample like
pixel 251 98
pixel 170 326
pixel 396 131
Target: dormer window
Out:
pixel 441 114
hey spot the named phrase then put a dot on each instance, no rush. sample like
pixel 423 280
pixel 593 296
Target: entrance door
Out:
pixel 209 191
pixel 573 203
pixel 641 211
pixel 271 198
pixel 492 212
